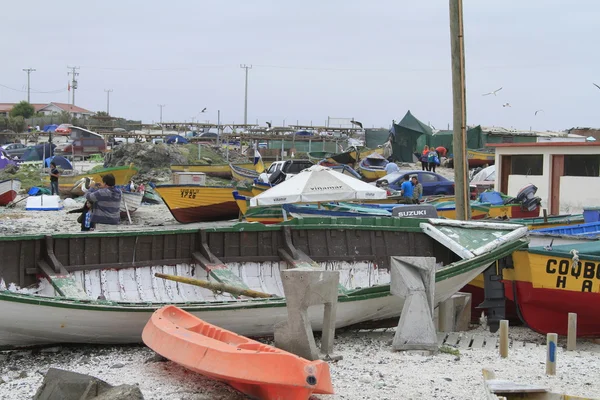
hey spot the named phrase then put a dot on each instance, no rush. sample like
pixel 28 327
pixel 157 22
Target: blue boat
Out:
pixel 591 229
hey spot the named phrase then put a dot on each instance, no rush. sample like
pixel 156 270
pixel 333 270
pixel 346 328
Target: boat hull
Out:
pixel 371 174
pixel 254 368
pixel 133 200
pixel 9 190
pixel 197 203
pixel 546 288
pixel 69 185
pixel 215 170
pixel 512 211
pixel 242 174
pixel 477 158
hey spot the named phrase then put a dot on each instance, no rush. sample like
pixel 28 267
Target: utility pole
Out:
pixel 108 92
pixel 73 81
pixel 29 71
pixel 246 67
pixel 161 107
pixel 459 102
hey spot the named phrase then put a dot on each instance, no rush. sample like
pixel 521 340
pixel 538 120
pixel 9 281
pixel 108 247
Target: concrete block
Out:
pixel 305 287
pixel 454 314
pixel 413 280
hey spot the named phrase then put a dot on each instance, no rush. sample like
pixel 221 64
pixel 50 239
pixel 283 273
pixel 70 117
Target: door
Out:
pixel 558 170
pixel 506 162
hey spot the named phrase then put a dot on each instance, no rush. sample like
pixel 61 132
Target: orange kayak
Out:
pixel 258 370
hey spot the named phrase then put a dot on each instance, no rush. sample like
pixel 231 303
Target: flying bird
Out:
pixel 268 123
pixel 537 111
pixel 597 86
pixel 493 92
pixel 203 110
pixel 357 123
pixel 506 105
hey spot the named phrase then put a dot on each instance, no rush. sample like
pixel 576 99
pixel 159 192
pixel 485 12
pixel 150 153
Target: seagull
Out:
pixel 357 123
pixel 537 111
pixel 506 105
pixel 494 92
pixel 268 123
pixel 204 109
pixel 597 86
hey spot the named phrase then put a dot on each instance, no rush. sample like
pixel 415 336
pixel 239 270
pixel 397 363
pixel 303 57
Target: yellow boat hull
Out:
pixel 216 170
pixel 197 203
pixel 370 175
pixel 68 184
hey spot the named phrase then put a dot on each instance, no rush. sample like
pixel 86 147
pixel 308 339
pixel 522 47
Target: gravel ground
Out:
pixel 369 370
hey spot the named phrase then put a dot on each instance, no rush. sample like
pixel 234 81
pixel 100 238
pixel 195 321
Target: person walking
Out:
pixel 106 201
pixel 54 174
pixel 417 190
pixel 407 189
pixel 424 159
pixel 433 160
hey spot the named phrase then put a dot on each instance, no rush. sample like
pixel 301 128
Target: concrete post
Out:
pixel 413 280
pixel 305 287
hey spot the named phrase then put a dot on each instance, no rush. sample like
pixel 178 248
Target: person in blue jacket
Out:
pixel 407 189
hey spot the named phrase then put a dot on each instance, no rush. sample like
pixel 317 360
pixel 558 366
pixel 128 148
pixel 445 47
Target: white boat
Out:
pixel 130 201
pixel 9 190
pixel 110 299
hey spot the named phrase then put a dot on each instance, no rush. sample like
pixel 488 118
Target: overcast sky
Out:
pixel 371 60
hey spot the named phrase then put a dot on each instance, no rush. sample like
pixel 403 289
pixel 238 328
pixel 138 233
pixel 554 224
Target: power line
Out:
pixel 34 90
pixel 29 71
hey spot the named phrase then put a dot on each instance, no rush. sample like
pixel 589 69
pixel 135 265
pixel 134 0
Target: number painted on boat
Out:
pixel 584 272
pixel 189 193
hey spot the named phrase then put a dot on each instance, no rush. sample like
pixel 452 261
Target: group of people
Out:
pixel 411 190
pixel 430 157
pixel 102 205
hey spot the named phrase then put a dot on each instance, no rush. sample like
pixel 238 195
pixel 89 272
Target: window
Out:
pixel 428 178
pixel 531 164
pixel 576 165
pixel 297 167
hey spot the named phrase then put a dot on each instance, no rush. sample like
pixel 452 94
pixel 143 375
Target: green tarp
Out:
pixel 405 136
pixel 444 138
pixel 376 137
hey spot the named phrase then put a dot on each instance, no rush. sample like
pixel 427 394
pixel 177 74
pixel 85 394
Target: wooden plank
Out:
pixel 64 284
pixel 478 341
pixel 441 336
pixel 452 339
pixel 465 341
pixel 491 342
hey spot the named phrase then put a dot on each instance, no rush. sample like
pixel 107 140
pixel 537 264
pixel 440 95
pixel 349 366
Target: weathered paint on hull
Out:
pixel 197 203
pixel 512 211
pixel 216 212
pixel 450 213
pixel 548 288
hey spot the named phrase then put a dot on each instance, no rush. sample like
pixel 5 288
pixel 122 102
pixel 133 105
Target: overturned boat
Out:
pixel 102 288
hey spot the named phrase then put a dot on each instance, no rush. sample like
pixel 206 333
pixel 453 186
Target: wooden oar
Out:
pixel 217 286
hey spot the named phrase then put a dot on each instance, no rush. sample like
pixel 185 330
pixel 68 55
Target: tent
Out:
pixel 60 161
pixel 405 135
pixel 176 139
pixel 50 128
pixel 38 152
pixel 316 184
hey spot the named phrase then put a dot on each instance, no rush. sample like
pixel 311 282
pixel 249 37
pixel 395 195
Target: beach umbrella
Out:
pixel 317 184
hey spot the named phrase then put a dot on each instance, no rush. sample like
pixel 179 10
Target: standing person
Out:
pixel 106 202
pixel 391 167
pixel 407 190
pixel 424 160
pixel 417 190
pixel 54 174
pixel 433 160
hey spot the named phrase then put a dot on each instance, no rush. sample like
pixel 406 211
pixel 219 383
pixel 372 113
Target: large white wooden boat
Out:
pixel 102 288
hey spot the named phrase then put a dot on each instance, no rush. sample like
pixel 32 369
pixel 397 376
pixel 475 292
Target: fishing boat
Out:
pixel 480 157
pixel 372 167
pixel 258 187
pixel 151 197
pixel 348 156
pixel 70 185
pixel 550 221
pixel 102 287
pixel 447 209
pixel 130 202
pixel 216 170
pixel 568 234
pixel 199 203
pixel 262 214
pixel 346 170
pixel 242 174
pixel 548 283
pixel 256 369
pixel 316 156
pixel 9 190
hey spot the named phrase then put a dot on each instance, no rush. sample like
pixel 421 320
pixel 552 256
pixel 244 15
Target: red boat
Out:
pixel 9 190
pixel 254 368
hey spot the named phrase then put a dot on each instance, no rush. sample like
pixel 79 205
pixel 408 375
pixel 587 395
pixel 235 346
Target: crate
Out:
pixel 189 178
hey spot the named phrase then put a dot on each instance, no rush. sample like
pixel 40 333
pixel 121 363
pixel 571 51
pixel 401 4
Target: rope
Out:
pixel 575 258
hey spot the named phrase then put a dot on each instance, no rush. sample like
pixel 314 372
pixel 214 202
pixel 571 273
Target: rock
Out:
pixel 366 378
pixel 448 379
pixel 22 374
pixel 155 358
pixel 52 350
pixel 121 392
pixel 117 365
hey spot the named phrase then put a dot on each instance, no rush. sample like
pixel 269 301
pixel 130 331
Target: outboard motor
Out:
pixel 277 177
pixel 527 199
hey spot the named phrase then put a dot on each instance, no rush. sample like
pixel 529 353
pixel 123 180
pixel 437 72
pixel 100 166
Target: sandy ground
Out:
pixel 369 370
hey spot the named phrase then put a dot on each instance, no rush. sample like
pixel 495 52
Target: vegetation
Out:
pixel 29 175
pixel 22 109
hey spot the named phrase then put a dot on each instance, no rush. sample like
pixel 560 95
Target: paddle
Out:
pixel 216 286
